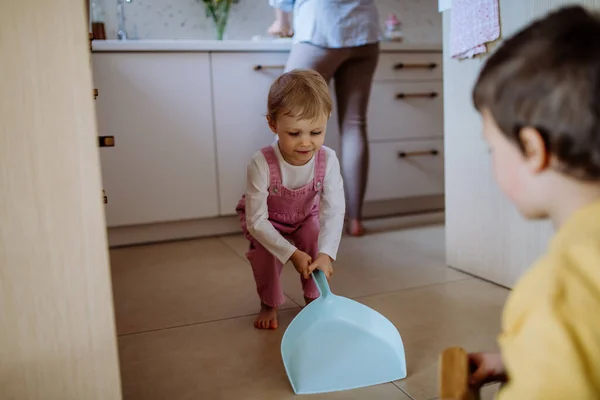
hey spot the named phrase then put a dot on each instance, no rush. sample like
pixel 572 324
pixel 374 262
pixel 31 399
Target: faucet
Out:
pixel 122 30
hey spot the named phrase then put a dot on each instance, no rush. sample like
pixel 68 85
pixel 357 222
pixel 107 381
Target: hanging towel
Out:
pixel 472 24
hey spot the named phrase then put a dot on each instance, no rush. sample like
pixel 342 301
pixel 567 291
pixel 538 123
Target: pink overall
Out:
pixel 295 214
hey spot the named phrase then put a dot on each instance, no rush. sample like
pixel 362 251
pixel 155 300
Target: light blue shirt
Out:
pixel 333 23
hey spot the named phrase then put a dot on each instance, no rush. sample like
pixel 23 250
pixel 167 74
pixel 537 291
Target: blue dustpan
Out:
pixel 336 343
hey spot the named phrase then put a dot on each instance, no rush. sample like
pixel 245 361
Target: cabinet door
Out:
pixel 158 107
pixel 240 102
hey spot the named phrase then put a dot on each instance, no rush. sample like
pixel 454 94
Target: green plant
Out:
pixel 218 10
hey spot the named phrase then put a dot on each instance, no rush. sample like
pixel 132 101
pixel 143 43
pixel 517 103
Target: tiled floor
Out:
pixel 185 311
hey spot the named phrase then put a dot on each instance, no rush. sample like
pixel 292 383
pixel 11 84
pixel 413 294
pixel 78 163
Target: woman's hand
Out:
pixel 282 26
pixel 280 29
pixel 322 262
pixel 486 368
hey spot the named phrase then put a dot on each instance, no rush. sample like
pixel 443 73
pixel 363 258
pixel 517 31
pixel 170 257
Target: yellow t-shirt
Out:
pixel 551 323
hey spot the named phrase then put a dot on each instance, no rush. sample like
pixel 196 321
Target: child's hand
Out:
pixel 323 262
pixel 486 368
pixel 301 261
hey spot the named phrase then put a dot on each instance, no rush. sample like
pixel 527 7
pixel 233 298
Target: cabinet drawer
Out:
pixel 405 110
pixel 405 169
pixel 409 66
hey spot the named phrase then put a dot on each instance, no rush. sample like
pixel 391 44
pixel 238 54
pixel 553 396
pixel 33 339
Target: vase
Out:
pixel 219 11
pixel 221 26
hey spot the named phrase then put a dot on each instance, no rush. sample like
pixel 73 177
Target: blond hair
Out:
pixel 300 93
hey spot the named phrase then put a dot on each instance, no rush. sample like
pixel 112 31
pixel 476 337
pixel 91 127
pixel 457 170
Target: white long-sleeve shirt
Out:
pixel 332 206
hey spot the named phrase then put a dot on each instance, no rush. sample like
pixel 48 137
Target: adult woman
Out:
pixel 340 40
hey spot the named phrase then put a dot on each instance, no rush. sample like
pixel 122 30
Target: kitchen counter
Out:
pixel 275 45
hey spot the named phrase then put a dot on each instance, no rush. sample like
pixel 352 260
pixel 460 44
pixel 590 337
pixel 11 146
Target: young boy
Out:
pixel 539 96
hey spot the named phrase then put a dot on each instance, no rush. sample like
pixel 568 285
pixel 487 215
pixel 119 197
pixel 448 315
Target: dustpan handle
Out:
pixel 321 281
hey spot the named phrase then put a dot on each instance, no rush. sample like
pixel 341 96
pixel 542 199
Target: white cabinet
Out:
pixel 186 124
pixel 241 84
pixel 406 127
pixel 158 107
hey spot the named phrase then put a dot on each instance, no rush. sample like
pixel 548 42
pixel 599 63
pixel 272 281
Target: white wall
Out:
pixel 485 235
pixel 186 19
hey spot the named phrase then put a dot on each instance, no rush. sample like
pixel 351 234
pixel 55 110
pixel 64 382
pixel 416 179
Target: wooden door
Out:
pixel 57 331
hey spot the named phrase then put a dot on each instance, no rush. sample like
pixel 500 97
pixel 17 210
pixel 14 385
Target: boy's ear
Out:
pixel 536 153
pixel 272 124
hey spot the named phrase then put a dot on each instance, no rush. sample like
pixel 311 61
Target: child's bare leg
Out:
pixel 267 318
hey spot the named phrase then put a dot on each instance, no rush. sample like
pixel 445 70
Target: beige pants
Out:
pixel 352 69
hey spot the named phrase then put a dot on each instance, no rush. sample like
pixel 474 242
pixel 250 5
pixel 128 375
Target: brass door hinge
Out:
pixel 106 141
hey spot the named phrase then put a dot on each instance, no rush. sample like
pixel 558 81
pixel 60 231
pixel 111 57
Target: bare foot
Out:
pixel 355 228
pixel 267 318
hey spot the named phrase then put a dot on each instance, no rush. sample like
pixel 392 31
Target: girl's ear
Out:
pixel 536 153
pixel 272 124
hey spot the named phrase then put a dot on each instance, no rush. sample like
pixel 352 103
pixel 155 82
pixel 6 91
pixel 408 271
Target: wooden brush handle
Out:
pixel 454 375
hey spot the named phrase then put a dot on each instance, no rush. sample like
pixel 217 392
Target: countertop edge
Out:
pixel 99 46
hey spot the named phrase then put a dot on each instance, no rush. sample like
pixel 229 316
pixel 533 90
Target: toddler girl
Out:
pixel 294 192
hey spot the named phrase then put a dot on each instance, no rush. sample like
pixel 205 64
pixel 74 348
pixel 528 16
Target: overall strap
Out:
pixel 320 167
pixel 274 170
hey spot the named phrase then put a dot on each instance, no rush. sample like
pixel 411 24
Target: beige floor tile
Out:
pixel 174 284
pixel 279 390
pixel 464 313
pixel 217 360
pixel 487 392
pixel 237 243
pixel 399 253
pixel 385 262
pixel 404 222
pixel 392 225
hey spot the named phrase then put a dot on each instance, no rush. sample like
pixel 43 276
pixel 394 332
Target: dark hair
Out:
pixel 547 77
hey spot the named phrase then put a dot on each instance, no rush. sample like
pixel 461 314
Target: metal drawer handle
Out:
pixel 415 66
pixel 260 67
pixel 405 154
pixel 428 95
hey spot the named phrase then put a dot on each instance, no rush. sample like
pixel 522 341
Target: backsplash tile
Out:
pixel 186 19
